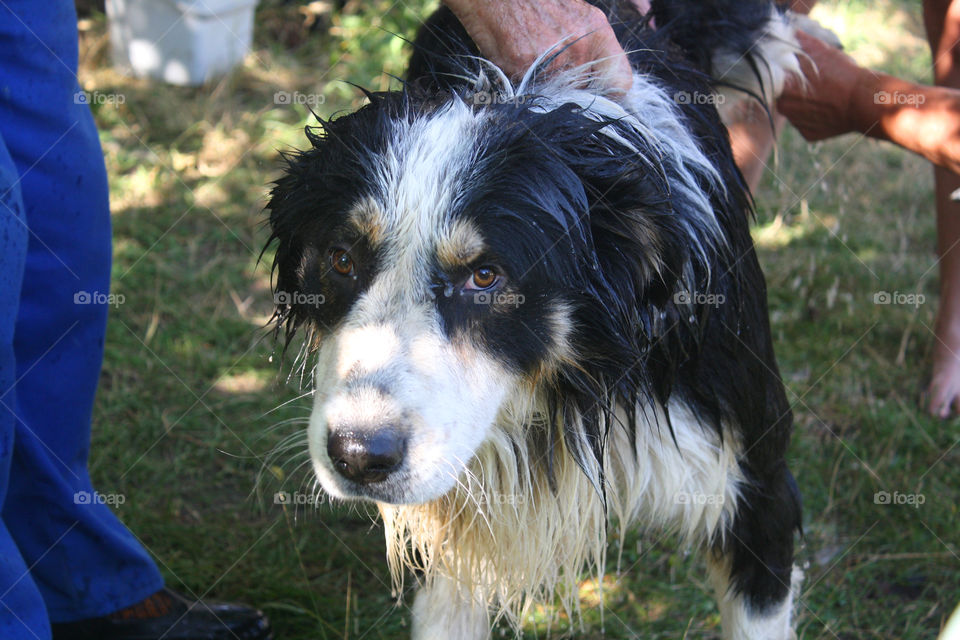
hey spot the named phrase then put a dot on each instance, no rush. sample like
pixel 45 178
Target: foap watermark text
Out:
pixel 499 298
pixel 298 298
pixel 97 97
pixel 896 297
pixel 490 97
pixel 698 498
pixel 900 98
pixel 700 298
pixel 296 498
pixel 699 97
pixel 296 97
pixel 98 297
pixel 896 498
pixel 95 497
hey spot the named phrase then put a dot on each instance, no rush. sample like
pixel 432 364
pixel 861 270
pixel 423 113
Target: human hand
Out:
pixel 513 33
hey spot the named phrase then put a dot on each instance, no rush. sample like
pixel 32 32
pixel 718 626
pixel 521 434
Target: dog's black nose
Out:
pixel 366 457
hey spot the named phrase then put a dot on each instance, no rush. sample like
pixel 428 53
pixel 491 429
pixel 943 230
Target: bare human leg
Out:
pixel 942 22
pixel 844 100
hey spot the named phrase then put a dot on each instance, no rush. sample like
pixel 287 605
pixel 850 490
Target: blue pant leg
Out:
pixel 22 614
pixel 83 560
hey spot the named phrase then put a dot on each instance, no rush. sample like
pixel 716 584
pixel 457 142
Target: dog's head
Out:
pixel 453 254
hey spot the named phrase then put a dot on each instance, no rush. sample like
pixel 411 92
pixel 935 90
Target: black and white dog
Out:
pixel 535 309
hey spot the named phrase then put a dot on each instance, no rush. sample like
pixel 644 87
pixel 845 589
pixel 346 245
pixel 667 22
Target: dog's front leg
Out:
pixel 446 611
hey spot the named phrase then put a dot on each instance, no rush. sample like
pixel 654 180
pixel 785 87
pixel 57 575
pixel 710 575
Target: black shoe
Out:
pixel 185 620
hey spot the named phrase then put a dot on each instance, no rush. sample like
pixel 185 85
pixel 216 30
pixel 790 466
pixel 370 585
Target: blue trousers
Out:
pixel 62 558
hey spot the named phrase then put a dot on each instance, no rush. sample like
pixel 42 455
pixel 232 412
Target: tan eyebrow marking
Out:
pixel 460 246
pixel 367 218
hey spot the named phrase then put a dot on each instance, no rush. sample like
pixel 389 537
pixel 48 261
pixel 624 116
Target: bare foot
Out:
pixel 943 394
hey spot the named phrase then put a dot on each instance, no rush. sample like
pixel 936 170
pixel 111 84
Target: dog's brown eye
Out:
pixel 342 262
pixel 483 278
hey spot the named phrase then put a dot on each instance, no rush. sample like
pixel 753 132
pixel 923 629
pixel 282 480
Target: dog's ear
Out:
pixel 290 213
pixel 316 185
pixel 305 202
pixel 644 241
pixel 653 248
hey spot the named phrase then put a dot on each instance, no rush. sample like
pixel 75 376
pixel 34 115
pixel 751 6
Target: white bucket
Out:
pixel 185 42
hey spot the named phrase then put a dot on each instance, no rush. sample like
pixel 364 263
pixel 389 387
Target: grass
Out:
pixel 191 401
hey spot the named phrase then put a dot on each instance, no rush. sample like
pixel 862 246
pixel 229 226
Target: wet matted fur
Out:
pixel 534 309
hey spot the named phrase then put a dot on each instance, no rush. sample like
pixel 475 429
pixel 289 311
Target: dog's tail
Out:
pixel 748 46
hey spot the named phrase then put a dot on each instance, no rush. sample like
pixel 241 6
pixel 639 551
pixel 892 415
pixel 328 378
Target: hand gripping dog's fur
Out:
pixel 536 310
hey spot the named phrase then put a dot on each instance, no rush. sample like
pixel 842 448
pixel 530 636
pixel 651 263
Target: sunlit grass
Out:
pixel 884 34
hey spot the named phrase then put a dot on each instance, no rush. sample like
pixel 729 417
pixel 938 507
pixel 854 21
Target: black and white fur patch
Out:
pixel 535 309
